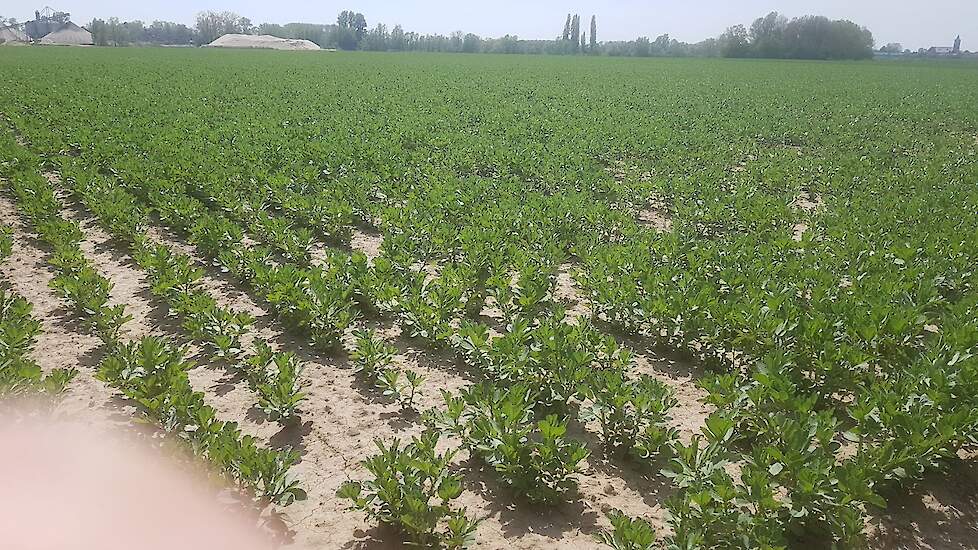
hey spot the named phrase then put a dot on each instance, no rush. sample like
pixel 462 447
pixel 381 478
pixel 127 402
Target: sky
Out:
pixel 913 23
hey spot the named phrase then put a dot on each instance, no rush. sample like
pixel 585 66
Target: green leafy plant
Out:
pixel 533 457
pixel 627 533
pixel 390 382
pixel 277 379
pixel 632 414
pixel 412 490
pixel 372 355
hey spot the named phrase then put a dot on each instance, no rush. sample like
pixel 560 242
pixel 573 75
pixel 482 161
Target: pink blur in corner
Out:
pixel 69 487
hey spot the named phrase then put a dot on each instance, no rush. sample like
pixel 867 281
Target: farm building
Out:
pixel 69 34
pixel 12 35
pixel 946 50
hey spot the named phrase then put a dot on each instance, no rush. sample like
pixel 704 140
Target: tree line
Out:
pixel 808 37
pixel 774 36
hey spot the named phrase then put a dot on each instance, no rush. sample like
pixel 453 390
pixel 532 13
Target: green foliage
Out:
pixel 276 378
pixel 535 458
pixel 412 490
pixel 627 533
pixel 176 280
pixel 6 241
pixel 372 355
pixel 19 373
pixel 403 390
pixel 153 373
pixel 632 413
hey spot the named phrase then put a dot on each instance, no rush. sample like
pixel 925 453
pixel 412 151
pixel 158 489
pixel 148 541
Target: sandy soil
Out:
pixel 567 292
pixel 368 242
pixel 263 41
pixel 807 203
pixel 939 512
pixel 61 344
pixel 656 215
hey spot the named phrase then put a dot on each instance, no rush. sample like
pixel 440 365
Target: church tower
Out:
pixel 957 44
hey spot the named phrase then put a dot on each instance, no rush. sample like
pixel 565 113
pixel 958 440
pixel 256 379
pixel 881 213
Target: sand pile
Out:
pixel 12 36
pixel 262 41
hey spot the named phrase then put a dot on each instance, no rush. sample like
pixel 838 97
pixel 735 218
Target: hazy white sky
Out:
pixel 914 23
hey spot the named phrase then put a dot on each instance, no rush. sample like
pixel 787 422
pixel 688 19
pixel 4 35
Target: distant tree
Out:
pixel 707 48
pixel 735 42
pixel 594 33
pixel 767 35
pixel 133 32
pixel 575 34
pixel 661 45
pixel 642 46
pixel 211 25
pixel 346 39
pixel 892 47
pixel 246 26
pixel 99 32
pixel 376 39
pixel 816 37
pixel 471 43
pixel 359 26
pixel 118 33
pixel 108 33
pixel 506 44
pixel 567 28
pixel 455 41
pixel 397 41
pixel 809 37
pixel 584 41
pixel 166 32
pixel 351 29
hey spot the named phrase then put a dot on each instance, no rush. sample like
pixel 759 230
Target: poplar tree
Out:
pixel 575 34
pixel 567 28
pixel 594 33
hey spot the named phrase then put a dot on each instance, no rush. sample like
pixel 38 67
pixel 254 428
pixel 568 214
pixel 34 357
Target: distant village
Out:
pixel 897 50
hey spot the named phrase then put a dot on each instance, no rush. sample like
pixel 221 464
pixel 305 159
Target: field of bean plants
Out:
pixel 510 301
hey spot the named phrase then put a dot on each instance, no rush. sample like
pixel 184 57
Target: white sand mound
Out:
pixel 262 41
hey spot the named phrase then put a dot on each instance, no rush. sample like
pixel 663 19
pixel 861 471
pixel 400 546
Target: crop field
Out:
pixel 509 301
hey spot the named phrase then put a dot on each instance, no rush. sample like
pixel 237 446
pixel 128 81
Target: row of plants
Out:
pixel 19 372
pixel 274 377
pixel 552 354
pixel 313 300
pixel 373 360
pixel 153 373
pixel 150 371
